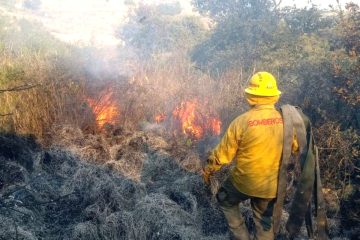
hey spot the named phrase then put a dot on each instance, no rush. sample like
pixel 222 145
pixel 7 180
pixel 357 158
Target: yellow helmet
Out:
pixel 263 84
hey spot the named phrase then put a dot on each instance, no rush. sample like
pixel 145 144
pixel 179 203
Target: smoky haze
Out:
pixel 129 96
pixel 125 32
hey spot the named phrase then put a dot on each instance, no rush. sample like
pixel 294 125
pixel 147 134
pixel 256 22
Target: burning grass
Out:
pixel 105 108
pixel 194 122
pixel 176 97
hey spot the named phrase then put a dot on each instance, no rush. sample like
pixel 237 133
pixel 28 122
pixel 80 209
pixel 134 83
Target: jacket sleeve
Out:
pixel 226 150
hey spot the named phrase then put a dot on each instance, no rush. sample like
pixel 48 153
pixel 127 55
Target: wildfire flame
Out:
pixel 215 126
pixel 193 120
pixel 160 118
pixel 105 108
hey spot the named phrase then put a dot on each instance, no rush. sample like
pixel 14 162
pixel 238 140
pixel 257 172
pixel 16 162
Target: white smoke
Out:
pixel 86 22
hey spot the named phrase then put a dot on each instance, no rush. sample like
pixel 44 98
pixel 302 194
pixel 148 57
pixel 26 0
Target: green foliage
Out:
pixel 306 20
pixel 11 74
pixel 346 63
pixel 158 30
pixel 349 29
pixel 229 9
pixel 257 35
pixel 303 47
pixel 243 33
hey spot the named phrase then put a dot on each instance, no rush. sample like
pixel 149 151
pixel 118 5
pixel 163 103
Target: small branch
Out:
pixel 19 88
pixel 327 148
pixel 5 115
pixel 276 4
pixel 16 230
pixel 13 209
pixel 16 189
pixel 51 201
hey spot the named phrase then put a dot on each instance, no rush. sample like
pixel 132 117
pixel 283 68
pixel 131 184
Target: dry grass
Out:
pixel 56 98
pixel 59 95
pixel 339 154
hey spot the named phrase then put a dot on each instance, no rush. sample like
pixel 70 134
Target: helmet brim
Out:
pixel 263 94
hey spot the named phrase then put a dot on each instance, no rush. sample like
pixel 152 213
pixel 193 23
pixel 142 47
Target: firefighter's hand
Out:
pixel 206 175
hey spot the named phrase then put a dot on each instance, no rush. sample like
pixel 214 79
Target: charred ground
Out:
pixel 53 194
pixel 69 192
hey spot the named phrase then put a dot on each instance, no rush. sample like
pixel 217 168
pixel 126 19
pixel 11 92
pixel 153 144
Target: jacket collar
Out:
pixel 263 106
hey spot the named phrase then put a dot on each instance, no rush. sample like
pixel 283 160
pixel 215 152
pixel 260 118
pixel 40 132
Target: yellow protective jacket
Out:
pixel 255 140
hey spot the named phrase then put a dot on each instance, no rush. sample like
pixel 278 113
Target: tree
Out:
pixel 306 20
pixel 349 29
pixel 346 64
pixel 154 30
pixel 223 10
pixel 244 29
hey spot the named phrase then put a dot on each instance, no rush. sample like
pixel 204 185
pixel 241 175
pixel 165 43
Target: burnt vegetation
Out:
pixel 91 152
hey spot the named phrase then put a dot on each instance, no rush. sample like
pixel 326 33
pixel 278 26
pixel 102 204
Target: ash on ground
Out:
pixel 118 185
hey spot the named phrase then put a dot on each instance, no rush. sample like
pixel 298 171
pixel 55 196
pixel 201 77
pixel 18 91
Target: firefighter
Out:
pixel 255 140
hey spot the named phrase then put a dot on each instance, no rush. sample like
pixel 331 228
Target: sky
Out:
pixel 93 22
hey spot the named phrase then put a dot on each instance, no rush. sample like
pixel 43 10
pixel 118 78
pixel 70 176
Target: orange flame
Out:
pixel 105 108
pixel 194 121
pixel 160 118
pixel 215 126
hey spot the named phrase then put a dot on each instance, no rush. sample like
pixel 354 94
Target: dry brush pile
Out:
pixel 53 194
